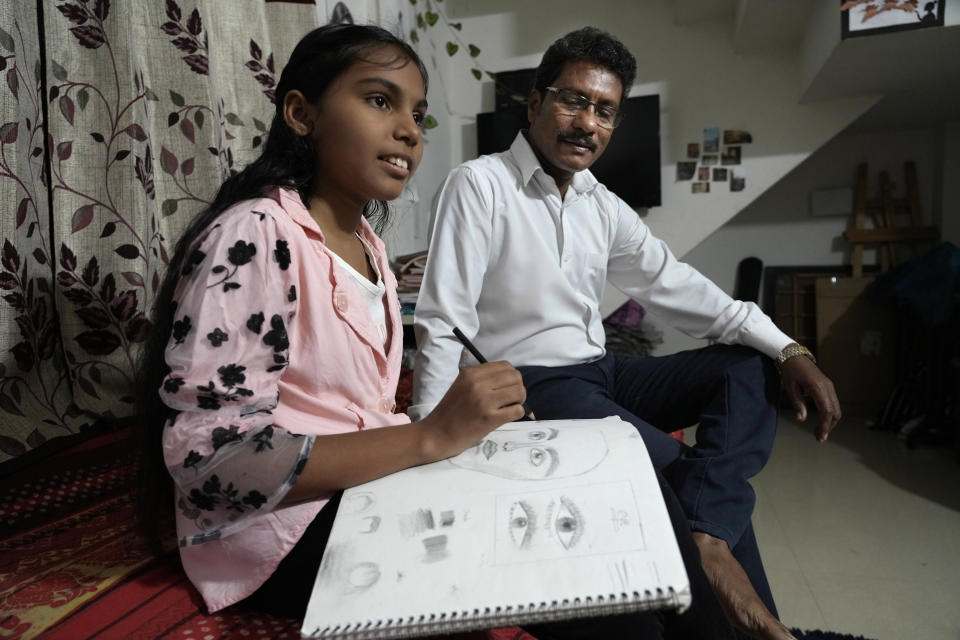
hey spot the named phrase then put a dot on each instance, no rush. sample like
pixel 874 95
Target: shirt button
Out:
pixel 385 405
pixel 340 300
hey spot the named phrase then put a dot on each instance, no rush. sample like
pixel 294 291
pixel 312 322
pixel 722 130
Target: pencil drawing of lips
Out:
pixel 489 447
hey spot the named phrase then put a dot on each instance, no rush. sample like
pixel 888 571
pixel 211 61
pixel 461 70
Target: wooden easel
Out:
pixel 897 227
pixel 885 233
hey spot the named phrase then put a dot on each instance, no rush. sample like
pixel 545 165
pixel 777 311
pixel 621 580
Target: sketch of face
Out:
pixel 535 453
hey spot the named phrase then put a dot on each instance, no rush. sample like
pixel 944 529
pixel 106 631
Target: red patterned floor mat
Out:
pixel 72 566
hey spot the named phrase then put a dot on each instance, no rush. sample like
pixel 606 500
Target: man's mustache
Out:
pixel 583 141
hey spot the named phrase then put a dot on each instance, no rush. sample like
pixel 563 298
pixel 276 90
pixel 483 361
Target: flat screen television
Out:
pixel 630 166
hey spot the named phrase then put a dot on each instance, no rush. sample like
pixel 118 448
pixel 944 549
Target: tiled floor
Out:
pixel 862 535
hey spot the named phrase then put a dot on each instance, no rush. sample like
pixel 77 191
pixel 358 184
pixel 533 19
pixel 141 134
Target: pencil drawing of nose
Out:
pixel 511 446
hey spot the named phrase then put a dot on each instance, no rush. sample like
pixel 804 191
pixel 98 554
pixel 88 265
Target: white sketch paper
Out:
pixel 535 514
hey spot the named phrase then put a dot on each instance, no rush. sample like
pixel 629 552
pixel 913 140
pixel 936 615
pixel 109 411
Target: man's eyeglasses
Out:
pixel 571 103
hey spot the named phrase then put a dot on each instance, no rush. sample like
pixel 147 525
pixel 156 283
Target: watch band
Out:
pixel 791 351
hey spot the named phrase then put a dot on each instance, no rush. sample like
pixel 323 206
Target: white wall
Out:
pixel 778 228
pixel 407 228
pixel 701 83
pixel 820 39
pixel 951 13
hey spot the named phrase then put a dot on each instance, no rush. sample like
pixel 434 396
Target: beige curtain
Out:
pixel 118 122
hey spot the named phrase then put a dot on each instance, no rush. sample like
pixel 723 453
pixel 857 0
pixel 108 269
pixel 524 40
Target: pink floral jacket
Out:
pixel 271 346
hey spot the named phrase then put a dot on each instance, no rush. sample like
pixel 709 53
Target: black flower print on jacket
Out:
pixel 228 348
pixel 239 254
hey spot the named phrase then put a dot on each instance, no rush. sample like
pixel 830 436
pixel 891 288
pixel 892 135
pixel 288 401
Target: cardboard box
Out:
pixel 856 343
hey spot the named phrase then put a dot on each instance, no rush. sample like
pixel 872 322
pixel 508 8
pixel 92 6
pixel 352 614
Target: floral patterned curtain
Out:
pixel 118 122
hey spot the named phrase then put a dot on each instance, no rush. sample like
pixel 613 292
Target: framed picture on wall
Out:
pixel 871 17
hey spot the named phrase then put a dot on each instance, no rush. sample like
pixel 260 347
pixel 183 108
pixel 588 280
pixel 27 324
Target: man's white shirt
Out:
pixel 521 271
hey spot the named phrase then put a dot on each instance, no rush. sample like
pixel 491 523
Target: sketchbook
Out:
pixel 541 521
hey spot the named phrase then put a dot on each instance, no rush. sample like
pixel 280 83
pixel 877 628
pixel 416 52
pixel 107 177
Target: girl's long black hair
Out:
pixel 287 160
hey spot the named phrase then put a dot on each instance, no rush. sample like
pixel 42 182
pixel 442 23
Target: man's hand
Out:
pixel 802 379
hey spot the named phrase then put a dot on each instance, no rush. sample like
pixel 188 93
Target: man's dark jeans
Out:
pixel 731 392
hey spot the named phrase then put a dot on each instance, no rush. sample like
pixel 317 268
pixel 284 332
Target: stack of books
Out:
pixel 409 270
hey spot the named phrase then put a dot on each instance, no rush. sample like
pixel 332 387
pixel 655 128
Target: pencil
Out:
pixel 469 345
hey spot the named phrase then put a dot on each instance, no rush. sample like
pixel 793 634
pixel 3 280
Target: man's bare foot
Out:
pixel 735 592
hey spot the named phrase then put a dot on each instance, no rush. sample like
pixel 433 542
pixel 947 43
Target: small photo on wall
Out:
pixel 700 187
pixel 710 159
pixel 703 173
pixel 685 170
pixel 738 179
pixel 736 136
pixel 869 17
pixel 693 150
pixel 711 140
pixel 730 155
pixel 719 175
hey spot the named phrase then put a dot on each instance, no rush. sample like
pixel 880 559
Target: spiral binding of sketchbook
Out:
pixel 455 622
pixel 541 521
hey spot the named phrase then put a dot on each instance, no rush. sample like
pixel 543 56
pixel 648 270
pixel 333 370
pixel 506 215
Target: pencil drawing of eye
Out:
pixel 523 524
pixel 543 434
pixel 543 460
pixel 568 523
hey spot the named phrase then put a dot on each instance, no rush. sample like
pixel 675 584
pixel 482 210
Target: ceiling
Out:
pixel 917 72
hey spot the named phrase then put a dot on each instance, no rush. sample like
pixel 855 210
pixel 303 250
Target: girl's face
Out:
pixel 366 129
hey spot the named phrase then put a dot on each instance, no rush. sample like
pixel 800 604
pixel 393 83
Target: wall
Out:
pixel 701 83
pixel 951 13
pixel 820 39
pixel 778 228
pixel 948 187
pixel 700 80
pixel 406 230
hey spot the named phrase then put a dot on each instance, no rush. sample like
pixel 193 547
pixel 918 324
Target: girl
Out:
pixel 277 340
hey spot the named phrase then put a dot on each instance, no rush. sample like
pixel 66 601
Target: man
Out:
pixel 522 245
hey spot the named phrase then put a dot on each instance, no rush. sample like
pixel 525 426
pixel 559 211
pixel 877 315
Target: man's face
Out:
pixel 569 143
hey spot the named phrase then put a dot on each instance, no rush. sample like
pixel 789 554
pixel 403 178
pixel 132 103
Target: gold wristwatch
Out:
pixel 792 350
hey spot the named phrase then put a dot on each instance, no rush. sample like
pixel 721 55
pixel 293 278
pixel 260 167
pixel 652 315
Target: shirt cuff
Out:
pixel 767 339
pixel 420 411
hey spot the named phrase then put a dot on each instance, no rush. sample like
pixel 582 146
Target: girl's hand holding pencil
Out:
pixel 481 399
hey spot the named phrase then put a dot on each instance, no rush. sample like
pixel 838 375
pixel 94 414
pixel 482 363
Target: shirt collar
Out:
pixel 290 201
pixel 528 163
